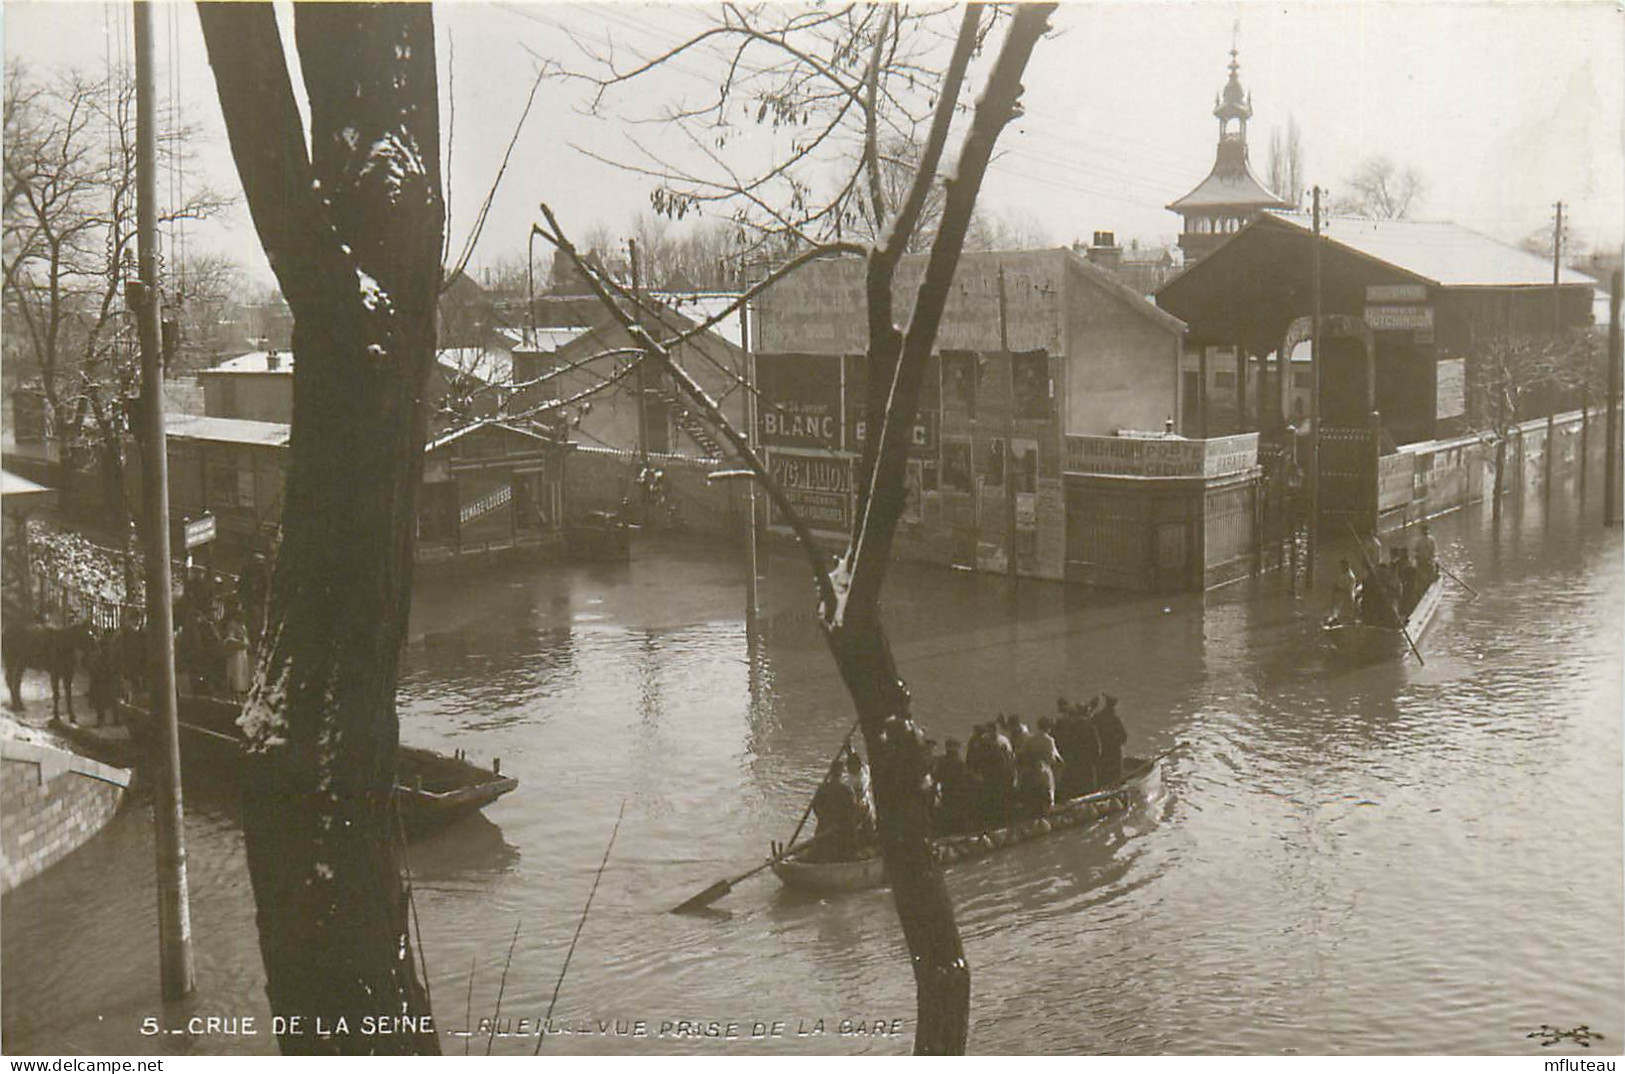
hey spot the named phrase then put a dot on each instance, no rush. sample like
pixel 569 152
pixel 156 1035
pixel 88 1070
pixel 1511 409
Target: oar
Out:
pixel 846 744
pixel 722 887
pixel 1151 762
pixel 1393 607
pixel 1448 573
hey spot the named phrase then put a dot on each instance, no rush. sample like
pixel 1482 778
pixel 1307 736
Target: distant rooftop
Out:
pixel 699 306
pixel 226 430
pixel 693 307
pixel 547 339
pixel 487 364
pixel 490 365
pixel 255 362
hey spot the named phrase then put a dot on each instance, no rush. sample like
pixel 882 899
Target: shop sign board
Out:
pixel 1399 318
pixel 800 401
pixel 1130 456
pixel 819 487
pixel 199 531
pixel 1395 293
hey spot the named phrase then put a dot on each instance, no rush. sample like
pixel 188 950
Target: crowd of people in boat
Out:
pixel 1007 772
pixel 1386 591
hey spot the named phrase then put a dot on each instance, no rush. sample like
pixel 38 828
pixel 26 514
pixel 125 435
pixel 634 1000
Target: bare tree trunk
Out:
pixel 924 908
pixel 849 596
pixel 941 972
pixel 354 235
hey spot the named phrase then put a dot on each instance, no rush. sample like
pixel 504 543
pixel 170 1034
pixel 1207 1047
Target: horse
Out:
pixel 56 650
pixel 130 659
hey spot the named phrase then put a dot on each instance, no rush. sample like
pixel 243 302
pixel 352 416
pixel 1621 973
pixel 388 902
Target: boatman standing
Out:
pixel 863 795
pixel 1426 554
pixel 1344 586
pixel 1112 736
pixel 837 814
pixel 1373 549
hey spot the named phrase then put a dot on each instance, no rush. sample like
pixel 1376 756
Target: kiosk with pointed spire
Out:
pixel 1231 196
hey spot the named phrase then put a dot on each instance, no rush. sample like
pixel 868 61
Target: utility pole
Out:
pixel 641 381
pixel 750 437
pixel 1610 496
pixel 530 287
pixel 1314 397
pixel 1557 343
pixel 1009 432
pixel 174 913
pixel 1557 268
pixel 1201 393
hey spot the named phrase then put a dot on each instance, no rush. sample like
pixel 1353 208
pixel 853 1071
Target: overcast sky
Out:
pixel 1504 108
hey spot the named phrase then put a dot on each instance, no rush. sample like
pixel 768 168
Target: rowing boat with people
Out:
pixel 870 872
pixel 1360 634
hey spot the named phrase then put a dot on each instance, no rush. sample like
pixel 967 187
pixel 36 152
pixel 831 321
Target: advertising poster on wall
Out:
pixel 818 486
pixel 799 401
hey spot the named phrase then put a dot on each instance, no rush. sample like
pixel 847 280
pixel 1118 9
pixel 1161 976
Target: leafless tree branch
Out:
pixel 606 289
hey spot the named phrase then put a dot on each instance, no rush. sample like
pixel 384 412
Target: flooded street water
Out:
pixel 1344 857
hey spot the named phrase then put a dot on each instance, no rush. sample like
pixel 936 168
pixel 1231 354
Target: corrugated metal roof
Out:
pixel 1434 250
pixel 226 430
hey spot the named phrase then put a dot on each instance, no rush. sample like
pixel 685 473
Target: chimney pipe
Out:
pixel 1104 251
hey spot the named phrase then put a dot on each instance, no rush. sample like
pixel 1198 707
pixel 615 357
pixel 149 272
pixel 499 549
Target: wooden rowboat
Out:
pixel 598 535
pixel 431 787
pixel 841 876
pixel 1364 635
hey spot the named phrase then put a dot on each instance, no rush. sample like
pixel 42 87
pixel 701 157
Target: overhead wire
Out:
pixel 1113 172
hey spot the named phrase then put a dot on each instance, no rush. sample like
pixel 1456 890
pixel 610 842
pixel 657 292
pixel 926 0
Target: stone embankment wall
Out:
pixel 51 802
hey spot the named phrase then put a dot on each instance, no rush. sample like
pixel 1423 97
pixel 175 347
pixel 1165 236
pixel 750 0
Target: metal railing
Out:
pixel 66 601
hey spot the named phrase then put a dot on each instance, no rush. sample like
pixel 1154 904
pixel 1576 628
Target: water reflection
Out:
pixel 470 848
pixel 1343 850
